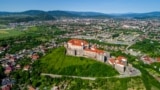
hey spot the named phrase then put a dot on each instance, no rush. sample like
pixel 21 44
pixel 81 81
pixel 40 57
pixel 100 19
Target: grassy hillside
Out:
pixel 59 63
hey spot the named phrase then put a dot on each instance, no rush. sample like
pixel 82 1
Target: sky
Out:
pixel 103 6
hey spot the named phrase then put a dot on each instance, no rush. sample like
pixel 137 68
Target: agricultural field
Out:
pixel 57 62
pixel 9 33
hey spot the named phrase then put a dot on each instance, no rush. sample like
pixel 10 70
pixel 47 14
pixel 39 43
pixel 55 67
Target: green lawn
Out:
pixel 59 63
pixel 9 33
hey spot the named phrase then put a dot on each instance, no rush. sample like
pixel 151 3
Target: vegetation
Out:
pixel 1 72
pixel 152 48
pixel 149 81
pixel 58 62
pixel 34 36
pixel 156 66
pixel 10 33
pixel 36 80
pixel 115 35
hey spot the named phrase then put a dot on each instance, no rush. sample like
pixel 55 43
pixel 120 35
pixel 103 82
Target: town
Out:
pixel 111 41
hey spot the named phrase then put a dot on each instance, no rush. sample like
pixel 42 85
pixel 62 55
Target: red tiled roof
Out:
pixel 120 63
pixel 120 58
pixel 95 50
pixel 112 60
pixel 77 42
pixel 147 58
pixel 35 56
pixel 31 88
pixel 6 87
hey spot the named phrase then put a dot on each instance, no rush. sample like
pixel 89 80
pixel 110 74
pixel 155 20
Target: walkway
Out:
pixel 87 78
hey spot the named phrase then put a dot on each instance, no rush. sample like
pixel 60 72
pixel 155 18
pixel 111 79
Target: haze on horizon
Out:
pixel 104 6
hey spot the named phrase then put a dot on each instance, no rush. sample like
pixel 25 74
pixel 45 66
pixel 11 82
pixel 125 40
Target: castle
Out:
pixel 120 63
pixel 77 47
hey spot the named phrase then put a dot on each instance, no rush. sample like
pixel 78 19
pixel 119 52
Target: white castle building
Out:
pixel 77 47
pixel 120 63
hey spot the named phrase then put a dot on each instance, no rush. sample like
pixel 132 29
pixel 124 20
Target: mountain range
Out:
pixel 52 15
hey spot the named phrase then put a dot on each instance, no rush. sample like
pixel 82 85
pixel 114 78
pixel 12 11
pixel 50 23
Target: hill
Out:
pixel 32 15
pixel 148 15
pixel 38 15
pixel 58 62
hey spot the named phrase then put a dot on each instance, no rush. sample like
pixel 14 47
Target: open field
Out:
pixel 9 33
pixel 59 63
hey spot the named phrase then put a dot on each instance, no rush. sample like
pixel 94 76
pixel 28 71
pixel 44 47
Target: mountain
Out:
pixel 62 14
pixel 138 15
pixel 40 15
pixel 86 13
pixel 25 16
pixel 55 13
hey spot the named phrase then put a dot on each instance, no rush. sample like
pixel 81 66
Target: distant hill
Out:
pixel 32 15
pixel 56 14
pixel 138 15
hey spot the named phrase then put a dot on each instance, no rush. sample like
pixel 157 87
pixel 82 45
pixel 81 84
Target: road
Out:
pixel 86 78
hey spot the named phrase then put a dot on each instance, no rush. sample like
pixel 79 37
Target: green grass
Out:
pixel 9 33
pixel 148 47
pixel 59 63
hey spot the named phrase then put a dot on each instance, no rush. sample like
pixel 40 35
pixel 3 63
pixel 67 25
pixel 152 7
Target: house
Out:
pixel 8 70
pixel 77 47
pixel 35 56
pixel 18 66
pixel 31 87
pixel 26 67
pixel 120 63
pixel 12 58
pixel 55 88
pixel 147 59
pixel 6 87
pixel 7 83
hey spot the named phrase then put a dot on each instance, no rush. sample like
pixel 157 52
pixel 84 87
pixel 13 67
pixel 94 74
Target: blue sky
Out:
pixel 104 6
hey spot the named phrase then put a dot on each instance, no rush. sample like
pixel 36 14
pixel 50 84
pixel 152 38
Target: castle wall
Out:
pixel 119 67
pixel 77 50
pixel 75 47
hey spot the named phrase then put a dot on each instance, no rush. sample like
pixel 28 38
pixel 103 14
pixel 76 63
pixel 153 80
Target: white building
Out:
pixel 79 47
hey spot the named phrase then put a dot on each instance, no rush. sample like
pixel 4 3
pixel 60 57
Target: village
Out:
pixel 9 62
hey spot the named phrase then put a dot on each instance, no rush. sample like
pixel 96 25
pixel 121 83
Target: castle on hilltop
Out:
pixel 77 47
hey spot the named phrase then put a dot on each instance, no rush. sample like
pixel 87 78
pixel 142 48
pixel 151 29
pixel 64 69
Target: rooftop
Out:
pixel 78 42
